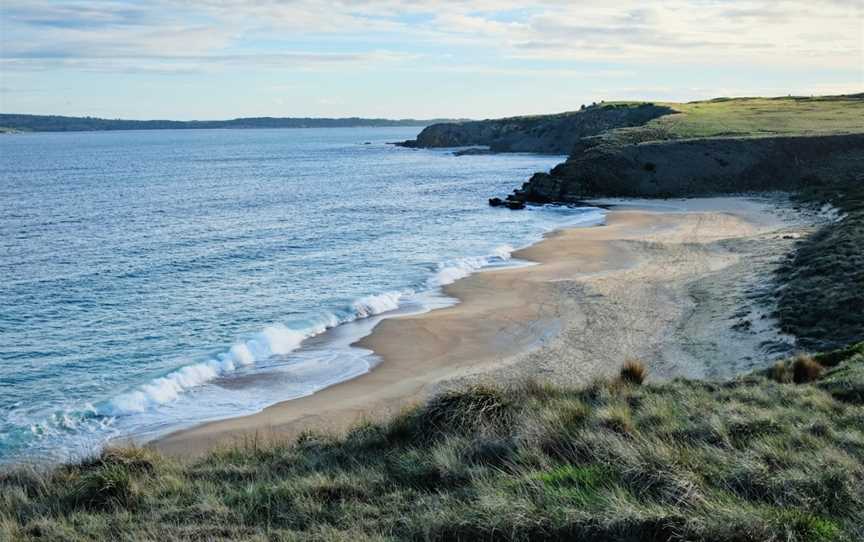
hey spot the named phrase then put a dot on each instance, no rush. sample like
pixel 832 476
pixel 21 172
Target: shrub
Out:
pixel 633 372
pixel 780 373
pixel 805 369
pixel 467 410
pixel 103 488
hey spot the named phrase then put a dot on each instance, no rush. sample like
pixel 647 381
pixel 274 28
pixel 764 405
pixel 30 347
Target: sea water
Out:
pixel 152 280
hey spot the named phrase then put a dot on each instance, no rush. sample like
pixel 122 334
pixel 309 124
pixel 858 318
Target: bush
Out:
pixel 104 487
pixel 780 373
pixel 633 372
pixel 466 410
pixel 805 369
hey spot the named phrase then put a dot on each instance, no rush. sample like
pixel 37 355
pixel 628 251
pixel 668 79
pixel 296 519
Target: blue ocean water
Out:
pixel 151 280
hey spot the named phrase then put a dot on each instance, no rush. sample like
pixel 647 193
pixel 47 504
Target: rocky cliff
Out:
pixel 699 167
pixel 552 134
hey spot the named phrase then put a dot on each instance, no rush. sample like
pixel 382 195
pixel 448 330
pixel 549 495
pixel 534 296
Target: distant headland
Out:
pixel 56 123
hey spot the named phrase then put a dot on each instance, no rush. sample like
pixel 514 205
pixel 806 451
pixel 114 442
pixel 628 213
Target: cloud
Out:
pixel 188 64
pixel 212 34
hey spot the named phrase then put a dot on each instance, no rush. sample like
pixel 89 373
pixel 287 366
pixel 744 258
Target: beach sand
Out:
pixel 678 284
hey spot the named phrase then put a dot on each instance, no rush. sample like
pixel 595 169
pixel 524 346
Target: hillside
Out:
pixel 759 458
pixel 53 123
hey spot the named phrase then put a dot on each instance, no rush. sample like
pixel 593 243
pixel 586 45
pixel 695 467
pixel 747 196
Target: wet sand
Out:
pixel 658 282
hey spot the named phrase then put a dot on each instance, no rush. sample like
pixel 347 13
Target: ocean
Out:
pixel 153 280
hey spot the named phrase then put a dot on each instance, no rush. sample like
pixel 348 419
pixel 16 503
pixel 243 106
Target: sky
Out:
pixel 216 59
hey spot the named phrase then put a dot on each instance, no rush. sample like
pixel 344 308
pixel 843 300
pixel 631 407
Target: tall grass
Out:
pixel 751 459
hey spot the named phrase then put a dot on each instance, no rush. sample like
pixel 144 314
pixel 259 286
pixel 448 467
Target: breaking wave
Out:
pixel 280 340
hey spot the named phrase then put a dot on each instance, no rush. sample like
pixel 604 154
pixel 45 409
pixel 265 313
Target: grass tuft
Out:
pixel 805 369
pixel 633 372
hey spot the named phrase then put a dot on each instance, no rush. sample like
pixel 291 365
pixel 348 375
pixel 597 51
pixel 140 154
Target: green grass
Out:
pixel 750 117
pixel 766 116
pixel 821 294
pixel 751 459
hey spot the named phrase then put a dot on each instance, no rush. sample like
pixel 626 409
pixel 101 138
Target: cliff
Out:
pixel 697 167
pixel 717 146
pixel 551 134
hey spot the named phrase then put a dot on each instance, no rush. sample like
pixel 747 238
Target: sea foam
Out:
pixel 274 340
pixel 281 340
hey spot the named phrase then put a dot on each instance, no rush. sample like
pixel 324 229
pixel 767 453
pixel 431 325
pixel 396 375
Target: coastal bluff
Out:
pixel 548 134
pixel 720 146
pixel 698 167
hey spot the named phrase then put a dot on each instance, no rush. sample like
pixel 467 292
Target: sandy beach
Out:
pixel 677 284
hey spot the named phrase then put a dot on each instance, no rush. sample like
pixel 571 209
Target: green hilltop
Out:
pixel 748 117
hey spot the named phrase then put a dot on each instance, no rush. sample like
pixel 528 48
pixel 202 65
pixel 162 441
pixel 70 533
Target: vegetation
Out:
pixel 738 117
pixel 55 123
pixel 821 294
pixel 749 117
pixel 751 459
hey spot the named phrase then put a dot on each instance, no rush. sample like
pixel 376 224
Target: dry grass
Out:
pixel 805 369
pixel 633 372
pixel 682 460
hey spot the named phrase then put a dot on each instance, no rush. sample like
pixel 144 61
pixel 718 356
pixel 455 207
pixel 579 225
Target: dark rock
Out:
pixel 473 151
pixel 515 204
pixel 496 202
pixel 690 167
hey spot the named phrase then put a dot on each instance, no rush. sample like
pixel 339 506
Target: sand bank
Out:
pixel 675 283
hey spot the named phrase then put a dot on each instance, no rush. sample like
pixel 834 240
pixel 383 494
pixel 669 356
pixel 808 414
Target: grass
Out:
pixel 821 294
pixel 766 116
pixel 751 459
pixel 750 117
pixel 633 372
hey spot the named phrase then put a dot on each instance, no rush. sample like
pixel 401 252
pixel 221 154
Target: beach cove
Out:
pixel 661 281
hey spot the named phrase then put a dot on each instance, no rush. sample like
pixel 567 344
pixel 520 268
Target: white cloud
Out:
pixel 754 31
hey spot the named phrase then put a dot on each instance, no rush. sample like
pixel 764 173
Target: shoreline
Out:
pixel 599 295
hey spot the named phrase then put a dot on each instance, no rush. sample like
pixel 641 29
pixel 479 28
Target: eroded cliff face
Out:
pixel 551 134
pixel 699 167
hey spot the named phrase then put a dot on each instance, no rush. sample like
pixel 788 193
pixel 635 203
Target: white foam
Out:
pixel 280 340
pixel 377 304
pixel 272 340
pixel 275 340
pixel 503 252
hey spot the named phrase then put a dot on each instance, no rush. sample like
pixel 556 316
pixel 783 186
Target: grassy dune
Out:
pixel 759 458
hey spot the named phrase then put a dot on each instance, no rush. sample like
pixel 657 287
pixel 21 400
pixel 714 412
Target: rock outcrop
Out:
pixel 550 134
pixel 698 167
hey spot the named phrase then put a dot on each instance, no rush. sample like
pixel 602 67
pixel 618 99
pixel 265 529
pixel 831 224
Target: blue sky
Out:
pixel 213 59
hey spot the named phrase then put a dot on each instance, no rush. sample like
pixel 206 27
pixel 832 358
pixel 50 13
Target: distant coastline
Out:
pixel 11 123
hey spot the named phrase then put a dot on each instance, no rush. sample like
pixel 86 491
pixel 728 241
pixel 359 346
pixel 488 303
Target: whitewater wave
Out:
pixel 450 271
pixel 280 340
pixel 274 340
